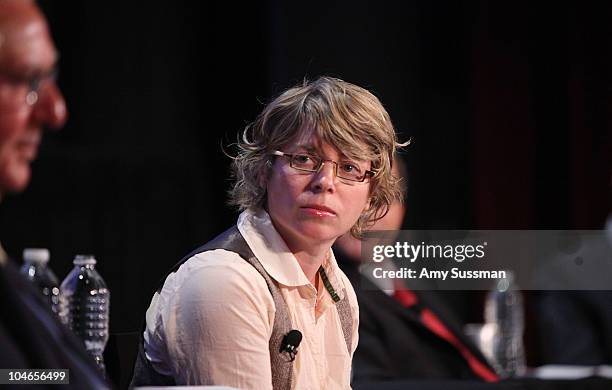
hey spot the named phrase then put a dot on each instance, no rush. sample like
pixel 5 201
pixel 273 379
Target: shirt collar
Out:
pixel 270 249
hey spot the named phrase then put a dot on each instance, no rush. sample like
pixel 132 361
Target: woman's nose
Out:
pixel 325 178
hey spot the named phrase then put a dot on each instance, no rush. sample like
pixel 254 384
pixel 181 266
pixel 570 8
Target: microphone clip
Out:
pixel 291 342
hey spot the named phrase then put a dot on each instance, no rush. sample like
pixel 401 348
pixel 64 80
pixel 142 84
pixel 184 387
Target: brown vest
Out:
pixel 281 363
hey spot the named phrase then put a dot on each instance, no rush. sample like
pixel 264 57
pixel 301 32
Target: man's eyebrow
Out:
pixel 55 65
pixel 35 70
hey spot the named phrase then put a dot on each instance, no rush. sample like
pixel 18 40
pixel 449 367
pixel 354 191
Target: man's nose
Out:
pixel 50 109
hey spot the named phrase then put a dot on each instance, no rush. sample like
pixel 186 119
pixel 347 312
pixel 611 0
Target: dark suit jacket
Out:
pixel 574 327
pixel 395 345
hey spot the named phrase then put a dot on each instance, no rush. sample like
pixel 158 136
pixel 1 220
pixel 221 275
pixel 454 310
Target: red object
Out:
pixel 408 299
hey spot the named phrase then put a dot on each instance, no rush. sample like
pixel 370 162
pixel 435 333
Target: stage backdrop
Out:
pixel 508 105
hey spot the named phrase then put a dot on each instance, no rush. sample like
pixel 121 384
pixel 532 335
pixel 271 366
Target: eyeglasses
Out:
pixel 34 83
pixel 308 163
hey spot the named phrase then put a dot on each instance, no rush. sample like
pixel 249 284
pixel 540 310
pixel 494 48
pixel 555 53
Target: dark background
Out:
pixel 508 104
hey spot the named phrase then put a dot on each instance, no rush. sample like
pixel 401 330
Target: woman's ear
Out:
pixel 263 178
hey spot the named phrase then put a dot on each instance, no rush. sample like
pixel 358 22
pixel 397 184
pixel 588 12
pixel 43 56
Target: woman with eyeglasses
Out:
pixel 264 305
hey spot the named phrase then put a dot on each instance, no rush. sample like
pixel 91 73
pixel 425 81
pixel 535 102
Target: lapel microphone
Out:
pixel 290 343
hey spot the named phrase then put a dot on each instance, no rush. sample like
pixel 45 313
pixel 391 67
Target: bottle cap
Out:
pixel 504 284
pixel 84 259
pixel 36 255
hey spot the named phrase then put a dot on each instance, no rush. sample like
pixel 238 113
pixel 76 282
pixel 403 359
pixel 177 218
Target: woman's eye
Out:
pixel 301 158
pixel 350 168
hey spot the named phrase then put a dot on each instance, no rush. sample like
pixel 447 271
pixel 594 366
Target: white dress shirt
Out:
pixel 213 319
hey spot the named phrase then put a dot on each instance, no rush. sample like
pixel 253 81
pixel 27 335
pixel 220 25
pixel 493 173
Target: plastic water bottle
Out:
pixel 84 306
pixel 504 313
pixel 36 269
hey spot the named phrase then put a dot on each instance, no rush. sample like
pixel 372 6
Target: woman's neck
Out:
pixel 310 255
pixel 311 261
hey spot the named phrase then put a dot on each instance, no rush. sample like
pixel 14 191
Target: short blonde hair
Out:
pixel 343 115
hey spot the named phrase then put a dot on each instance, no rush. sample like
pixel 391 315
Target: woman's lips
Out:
pixel 318 211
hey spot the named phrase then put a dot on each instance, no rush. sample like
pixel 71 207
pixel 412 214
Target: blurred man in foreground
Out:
pixel 30 335
pixel 29 97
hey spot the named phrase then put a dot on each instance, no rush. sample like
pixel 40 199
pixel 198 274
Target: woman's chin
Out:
pixel 319 232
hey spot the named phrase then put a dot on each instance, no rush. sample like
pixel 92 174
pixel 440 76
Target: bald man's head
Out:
pixel 16 13
pixel 29 97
